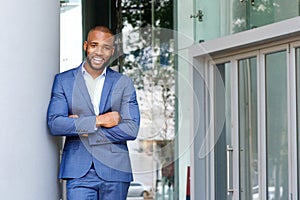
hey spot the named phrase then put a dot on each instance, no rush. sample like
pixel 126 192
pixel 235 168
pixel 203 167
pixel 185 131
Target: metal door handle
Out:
pixel 228 150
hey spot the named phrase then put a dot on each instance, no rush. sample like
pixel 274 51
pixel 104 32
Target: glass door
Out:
pixel 235 132
pixel 277 125
pixel 223 150
pixel 248 130
pixel 251 153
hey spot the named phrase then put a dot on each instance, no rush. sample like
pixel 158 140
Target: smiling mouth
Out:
pixel 98 60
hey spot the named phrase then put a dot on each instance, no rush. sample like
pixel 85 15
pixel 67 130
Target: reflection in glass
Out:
pixel 240 15
pixel 147 47
pixel 277 133
pixel 247 69
pixel 262 12
pixel 148 58
pixel 222 132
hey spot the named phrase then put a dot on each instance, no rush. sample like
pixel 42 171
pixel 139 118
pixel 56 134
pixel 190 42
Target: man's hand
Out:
pixel 76 116
pixel 108 120
pixel 73 116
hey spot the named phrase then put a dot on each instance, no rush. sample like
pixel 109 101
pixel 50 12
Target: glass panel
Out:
pixel 211 22
pixel 239 15
pixel 222 132
pixel 148 58
pixel 248 128
pixel 277 133
pixel 298 110
pixel 257 13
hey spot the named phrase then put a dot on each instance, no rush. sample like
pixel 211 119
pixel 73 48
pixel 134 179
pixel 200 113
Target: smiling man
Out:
pixel 96 109
pixel 99 48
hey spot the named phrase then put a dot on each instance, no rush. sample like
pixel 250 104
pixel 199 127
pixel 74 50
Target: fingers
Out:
pixel 73 116
pixel 108 120
pixel 116 117
pixel 76 116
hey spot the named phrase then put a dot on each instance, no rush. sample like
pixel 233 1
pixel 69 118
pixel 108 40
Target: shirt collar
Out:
pixel 84 72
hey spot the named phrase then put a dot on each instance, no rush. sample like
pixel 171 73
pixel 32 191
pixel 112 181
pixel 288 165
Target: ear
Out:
pixel 113 51
pixel 84 45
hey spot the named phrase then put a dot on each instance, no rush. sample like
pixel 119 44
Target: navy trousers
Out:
pixel 92 187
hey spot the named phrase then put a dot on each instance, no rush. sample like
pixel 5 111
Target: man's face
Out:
pixel 99 48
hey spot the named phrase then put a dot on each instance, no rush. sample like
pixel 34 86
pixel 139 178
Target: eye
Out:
pixel 92 45
pixel 107 48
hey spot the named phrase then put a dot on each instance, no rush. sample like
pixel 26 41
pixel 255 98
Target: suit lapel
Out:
pixel 109 81
pixel 81 89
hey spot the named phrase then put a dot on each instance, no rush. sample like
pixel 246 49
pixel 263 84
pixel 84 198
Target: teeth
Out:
pixel 98 59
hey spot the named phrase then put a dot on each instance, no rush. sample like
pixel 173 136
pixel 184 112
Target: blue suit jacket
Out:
pixel 105 147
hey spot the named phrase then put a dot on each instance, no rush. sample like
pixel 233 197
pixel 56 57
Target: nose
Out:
pixel 99 50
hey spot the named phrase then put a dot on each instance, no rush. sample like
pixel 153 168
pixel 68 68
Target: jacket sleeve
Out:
pixel 58 111
pixel 128 128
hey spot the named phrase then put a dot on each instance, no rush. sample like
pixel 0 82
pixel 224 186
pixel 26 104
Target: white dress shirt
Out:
pixel 95 87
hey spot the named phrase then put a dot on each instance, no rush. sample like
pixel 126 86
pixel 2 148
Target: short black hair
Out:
pixel 103 29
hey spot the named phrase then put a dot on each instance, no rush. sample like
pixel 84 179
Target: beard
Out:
pixel 96 67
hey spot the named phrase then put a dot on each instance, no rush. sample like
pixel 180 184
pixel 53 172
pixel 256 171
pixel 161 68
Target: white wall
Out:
pixel 29 59
pixel 71 44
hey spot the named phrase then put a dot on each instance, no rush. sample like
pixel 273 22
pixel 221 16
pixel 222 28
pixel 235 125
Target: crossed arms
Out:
pixel 118 125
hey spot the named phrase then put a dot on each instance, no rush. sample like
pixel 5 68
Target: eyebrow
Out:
pixel 103 44
pixel 108 45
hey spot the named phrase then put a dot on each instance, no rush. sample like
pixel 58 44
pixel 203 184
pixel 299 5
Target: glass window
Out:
pixel 239 15
pixel 147 39
pixel 277 133
pixel 257 13
pixel 247 77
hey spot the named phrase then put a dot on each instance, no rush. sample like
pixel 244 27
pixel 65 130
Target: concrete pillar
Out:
pixel 29 59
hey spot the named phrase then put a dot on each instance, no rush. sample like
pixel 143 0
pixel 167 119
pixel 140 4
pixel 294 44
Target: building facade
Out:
pixel 244 69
